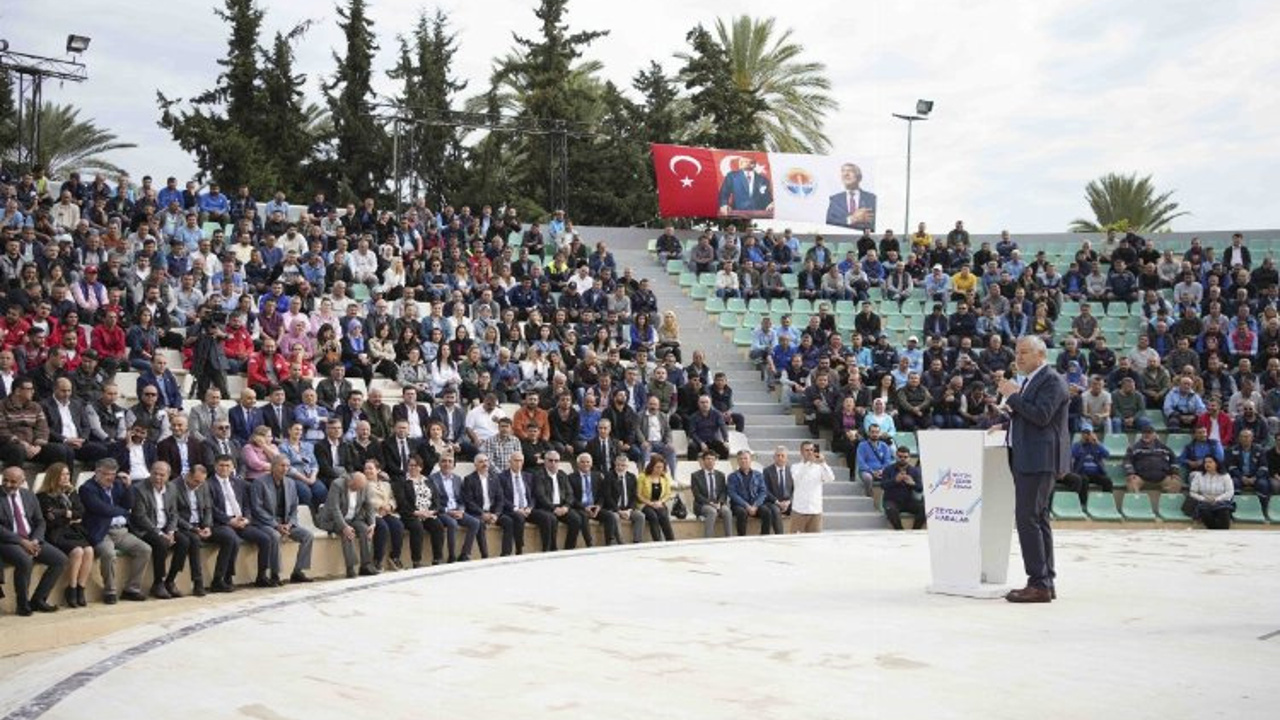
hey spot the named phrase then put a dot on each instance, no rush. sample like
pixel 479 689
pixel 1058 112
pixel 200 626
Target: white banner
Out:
pixel 823 190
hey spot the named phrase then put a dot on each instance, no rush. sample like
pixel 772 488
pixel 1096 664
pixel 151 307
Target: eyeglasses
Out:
pixel 149 394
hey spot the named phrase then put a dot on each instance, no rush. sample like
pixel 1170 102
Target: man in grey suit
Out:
pixel 655 435
pixel 204 416
pixel 195 521
pixel 1039 453
pixel 275 512
pixel 22 543
pixel 711 496
pixel 348 513
pixel 154 519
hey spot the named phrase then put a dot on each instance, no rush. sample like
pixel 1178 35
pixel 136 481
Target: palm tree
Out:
pixel 1125 202
pixel 68 143
pixel 794 92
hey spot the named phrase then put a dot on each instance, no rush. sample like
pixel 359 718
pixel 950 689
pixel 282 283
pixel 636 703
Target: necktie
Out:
pixel 232 502
pixel 850 204
pixel 586 489
pixel 484 491
pixel 222 447
pixel 782 475
pixel 751 185
pixel 19 519
pixel 711 486
pixel 518 482
pixel 404 455
pixel 555 489
pixel 623 479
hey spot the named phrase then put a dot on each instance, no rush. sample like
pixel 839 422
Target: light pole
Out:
pixel 31 71
pixel 923 108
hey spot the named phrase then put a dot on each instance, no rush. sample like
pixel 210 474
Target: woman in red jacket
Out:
pixel 108 341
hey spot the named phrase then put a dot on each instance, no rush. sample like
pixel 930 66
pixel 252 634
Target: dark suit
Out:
pixel 244 422
pixel 169 451
pixel 279 421
pixel 326 469
pixel 167 384
pixel 210 450
pixel 12 552
pixel 545 485
pixel 395 463
pixel 838 210
pixel 454 423
pixel 619 497
pixel 520 498
pixel 144 523
pixel 738 193
pixel 779 485
pixel 255 535
pixel 90 451
pixel 608 519
pixel 149 454
pixel 711 487
pixel 748 490
pixel 474 501
pixel 221 535
pixel 451 487
pixel 603 454
pixel 1039 453
pixel 332 395
pixel 401 412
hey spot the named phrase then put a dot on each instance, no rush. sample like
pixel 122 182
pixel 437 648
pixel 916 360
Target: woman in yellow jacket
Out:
pixel 653 491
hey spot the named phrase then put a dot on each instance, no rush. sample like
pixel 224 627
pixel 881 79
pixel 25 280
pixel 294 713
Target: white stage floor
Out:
pixel 1160 624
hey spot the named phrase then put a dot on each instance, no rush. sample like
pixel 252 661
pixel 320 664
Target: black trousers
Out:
pixel 418 529
pixel 658 520
pixel 546 522
pixel 1079 484
pixel 770 519
pixel 719 448
pixel 54 561
pixel 160 555
pixel 572 520
pixel 515 536
pixel 224 565
pixel 893 511
pixel 389 531
pixel 11 453
pixel 1031 516
pixel 193 555
pixel 267 545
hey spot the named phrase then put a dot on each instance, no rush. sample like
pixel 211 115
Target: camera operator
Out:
pixel 208 358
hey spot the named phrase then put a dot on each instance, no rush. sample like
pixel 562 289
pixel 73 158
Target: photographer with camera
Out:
pixel 208 357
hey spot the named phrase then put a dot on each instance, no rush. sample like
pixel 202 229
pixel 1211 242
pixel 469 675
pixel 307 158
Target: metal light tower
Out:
pixel 31 71
pixel 923 108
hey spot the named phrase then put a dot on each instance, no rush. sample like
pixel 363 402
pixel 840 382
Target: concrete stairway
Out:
pixel 768 422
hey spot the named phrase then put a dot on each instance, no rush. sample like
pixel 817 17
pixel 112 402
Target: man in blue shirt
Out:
pixel 1200 447
pixel 1182 406
pixel 1088 465
pixel 749 497
pixel 214 206
pixel 874 455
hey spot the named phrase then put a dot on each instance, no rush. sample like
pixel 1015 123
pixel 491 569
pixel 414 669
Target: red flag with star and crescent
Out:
pixel 688 182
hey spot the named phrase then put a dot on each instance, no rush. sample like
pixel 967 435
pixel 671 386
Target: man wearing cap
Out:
pixel 1088 464
pixel 937 285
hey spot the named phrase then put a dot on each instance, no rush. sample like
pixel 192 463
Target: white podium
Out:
pixel 968 496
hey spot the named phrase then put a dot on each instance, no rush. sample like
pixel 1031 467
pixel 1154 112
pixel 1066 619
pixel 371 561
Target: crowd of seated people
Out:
pixel 1202 354
pixel 217 365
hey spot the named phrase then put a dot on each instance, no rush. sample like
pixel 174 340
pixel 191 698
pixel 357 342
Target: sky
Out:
pixel 1032 99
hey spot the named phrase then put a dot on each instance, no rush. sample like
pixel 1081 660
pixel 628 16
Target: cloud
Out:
pixel 1033 99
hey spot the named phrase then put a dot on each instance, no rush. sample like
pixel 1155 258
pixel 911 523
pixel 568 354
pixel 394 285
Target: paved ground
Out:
pixel 1168 624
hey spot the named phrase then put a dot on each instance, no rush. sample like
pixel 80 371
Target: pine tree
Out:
pixel 8 117
pixel 283 129
pixel 361 148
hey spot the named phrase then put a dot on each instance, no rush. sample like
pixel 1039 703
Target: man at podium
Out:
pixel 1039 453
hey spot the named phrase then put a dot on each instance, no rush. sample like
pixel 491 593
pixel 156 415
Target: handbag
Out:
pixel 678 510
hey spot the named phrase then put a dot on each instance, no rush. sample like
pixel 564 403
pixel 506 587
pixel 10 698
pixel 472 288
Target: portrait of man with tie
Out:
pixel 746 191
pixel 852 207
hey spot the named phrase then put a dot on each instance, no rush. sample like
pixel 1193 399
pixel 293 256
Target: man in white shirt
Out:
pixel 482 420
pixel 806 497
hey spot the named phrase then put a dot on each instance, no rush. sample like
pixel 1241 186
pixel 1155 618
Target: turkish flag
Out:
pixel 688 183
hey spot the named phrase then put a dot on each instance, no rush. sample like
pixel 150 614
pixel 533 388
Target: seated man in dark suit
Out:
pixel 218 443
pixel 518 504
pixel 334 456
pixel 619 497
pixel 418 416
pixel 748 497
pixel 706 429
pixel 277 413
pixel 69 423
pixel 397 449
pixel 589 491
pixel 448 486
pixel 453 417
pixel 553 494
pixel 245 417
pixel 155 521
pixel 22 543
pixel 333 391
pixel 711 496
pixel 232 507
pixel 854 207
pixel 195 521
pixel 482 498
pixel 108 501
pixel 778 481
pixel 180 450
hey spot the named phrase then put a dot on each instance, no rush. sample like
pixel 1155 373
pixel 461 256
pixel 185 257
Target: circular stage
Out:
pixel 1161 624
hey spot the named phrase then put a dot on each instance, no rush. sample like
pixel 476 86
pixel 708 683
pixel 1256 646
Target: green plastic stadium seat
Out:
pixel 908 441
pixel 1118 310
pixel 845 323
pixel 742 337
pixel 1273 511
pixel 802 306
pixel 751 320
pixel 699 292
pixel 688 279
pixel 209 228
pixel 778 305
pixel 730 321
pixel 1249 510
pixel 707 280
pixel 1177 441
pixel 1066 506
pixel 1116 443
pixel 790 281
pixel 652 245
pixel 675 267
pixel 845 307
pixel 1137 507
pixel 1170 508
pixel 735 305
pixel 715 305
pixel 1102 506
pixel 758 305
pixel 1156 418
